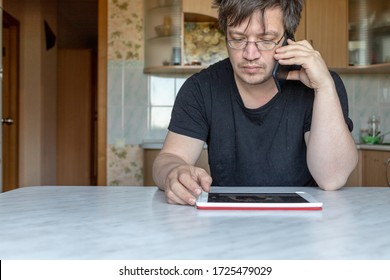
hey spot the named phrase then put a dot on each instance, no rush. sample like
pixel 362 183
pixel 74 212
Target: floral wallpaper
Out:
pixel 125 30
pixel 125 165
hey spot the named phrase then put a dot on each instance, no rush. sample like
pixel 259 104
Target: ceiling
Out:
pixel 80 16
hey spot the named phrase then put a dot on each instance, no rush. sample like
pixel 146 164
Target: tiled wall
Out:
pixel 129 114
pixel 369 94
pixel 127 102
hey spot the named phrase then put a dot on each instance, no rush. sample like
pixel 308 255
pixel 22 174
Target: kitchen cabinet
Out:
pixel 369 37
pixel 353 36
pixel 151 154
pixel 200 7
pixel 181 36
pixel 300 33
pixel 369 32
pixel 372 169
pixel 375 168
pixel 325 25
pixel 355 179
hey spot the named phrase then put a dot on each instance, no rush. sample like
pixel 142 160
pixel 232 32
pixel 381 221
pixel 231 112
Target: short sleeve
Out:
pixel 189 114
pixel 343 97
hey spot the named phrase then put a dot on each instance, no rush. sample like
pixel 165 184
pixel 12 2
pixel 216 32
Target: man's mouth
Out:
pixel 252 68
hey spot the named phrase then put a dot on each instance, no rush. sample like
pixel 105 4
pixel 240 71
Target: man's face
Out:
pixel 251 65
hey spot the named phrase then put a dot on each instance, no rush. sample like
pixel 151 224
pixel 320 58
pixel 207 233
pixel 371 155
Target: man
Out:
pixel 257 136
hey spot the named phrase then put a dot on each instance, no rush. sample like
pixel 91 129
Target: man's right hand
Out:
pixel 185 183
pixel 174 169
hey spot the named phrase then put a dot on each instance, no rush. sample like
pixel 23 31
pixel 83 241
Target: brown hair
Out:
pixel 234 12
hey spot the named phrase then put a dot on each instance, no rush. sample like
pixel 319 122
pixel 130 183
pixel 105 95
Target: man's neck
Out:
pixel 255 96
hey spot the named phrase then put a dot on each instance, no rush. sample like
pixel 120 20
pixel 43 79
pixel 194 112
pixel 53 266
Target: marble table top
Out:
pixel 115 223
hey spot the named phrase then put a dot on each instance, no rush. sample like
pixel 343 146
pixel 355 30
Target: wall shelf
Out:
pixel 171 69
pixel 195 37
pixel 383 68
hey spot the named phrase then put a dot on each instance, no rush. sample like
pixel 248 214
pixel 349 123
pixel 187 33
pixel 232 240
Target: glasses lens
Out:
pixel 261 45
pixel 237 44
pixel 265 45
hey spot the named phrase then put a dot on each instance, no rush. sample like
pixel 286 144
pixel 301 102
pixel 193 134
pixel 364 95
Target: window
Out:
pixel 162 92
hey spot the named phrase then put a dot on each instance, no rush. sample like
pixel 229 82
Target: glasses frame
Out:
pixel 257 43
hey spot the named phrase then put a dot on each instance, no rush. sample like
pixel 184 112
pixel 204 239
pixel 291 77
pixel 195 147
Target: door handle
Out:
pixel 8 121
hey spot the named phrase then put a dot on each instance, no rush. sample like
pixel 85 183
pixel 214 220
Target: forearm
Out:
pixel 331 150
pixel 163 165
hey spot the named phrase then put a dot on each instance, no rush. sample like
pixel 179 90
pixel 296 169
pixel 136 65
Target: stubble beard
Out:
pixel 255 78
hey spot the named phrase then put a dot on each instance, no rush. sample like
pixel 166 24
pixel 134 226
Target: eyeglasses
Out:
pixel 262 45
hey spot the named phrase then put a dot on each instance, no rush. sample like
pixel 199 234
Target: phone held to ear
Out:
pixel 280 72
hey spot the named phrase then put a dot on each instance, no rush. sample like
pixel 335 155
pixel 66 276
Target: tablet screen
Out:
pixel 256 198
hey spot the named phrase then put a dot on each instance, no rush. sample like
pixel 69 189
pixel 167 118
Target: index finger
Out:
pixel 179 193
pixel 190 182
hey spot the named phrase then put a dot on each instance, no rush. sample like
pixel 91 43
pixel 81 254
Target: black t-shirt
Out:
pixel 249 147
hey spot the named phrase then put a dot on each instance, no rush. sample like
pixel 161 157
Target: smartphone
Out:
pixel 280 72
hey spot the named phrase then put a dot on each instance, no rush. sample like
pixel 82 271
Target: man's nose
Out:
pixel 251 51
